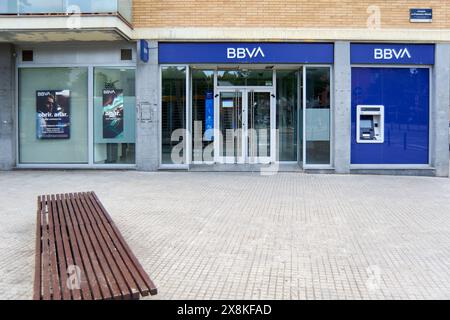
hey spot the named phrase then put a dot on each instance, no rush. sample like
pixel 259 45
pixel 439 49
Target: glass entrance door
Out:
pixel 259 125
pixel 245 121
pixel 230 127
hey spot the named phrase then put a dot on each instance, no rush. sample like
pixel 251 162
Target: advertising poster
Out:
pixel 209 116
pixel 112 113
pixel 53 114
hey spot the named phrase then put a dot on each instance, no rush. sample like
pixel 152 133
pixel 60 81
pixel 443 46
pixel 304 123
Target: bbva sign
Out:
pixel 389 54
pixel 244 53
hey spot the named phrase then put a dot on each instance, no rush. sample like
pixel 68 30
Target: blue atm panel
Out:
pixel 405 95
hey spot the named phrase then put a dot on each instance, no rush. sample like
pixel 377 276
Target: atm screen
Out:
pixel 366 124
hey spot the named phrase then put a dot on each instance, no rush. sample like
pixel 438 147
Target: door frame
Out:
pixel 244 157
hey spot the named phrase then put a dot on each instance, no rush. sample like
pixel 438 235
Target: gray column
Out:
pixel 440 110
pixel 148 144
pixel 7 135
pixel 342 106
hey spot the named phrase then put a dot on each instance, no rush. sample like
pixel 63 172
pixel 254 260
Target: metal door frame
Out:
pixel 244 157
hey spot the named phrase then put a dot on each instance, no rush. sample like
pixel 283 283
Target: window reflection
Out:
pixel 173 113
pixel 202 114
pixel 245 78
pixel 287 105
pixel 114 116
pixel 317 115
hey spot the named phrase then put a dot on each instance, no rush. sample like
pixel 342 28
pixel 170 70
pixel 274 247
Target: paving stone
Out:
pixel 241 235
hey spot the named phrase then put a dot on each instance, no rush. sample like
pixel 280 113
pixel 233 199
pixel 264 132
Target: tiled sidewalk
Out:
pixel 245 236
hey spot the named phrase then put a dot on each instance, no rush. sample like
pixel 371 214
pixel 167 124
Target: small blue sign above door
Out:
pixel 246 52
pixel 392 53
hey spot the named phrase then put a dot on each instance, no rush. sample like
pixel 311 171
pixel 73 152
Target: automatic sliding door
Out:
pixel 230 126
pixel 259 125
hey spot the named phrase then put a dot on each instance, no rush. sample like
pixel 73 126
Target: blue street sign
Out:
pixel 421 15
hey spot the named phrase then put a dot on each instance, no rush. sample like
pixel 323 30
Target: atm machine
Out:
pixel 370 124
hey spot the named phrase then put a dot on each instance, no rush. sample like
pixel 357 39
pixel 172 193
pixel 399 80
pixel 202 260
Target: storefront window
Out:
pixel 317 124
pixel 53 115
pixel 114 116
pixel 245 78
pixel 173 124
pixel 287 105
pixel 203 115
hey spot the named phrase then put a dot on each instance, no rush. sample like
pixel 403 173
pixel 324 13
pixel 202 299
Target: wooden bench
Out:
pixel 80 253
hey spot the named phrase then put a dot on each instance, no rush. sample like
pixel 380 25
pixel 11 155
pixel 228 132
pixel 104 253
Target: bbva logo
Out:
pixel 389 54
pixel 242 53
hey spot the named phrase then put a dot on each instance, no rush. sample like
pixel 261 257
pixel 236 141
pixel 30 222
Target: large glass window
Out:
pixel 202 115
pixel 114 116
pixel 317 115
pixel 287 113
pixel 245 78
pixel 53 115
pixel 173 124
pixel 62 6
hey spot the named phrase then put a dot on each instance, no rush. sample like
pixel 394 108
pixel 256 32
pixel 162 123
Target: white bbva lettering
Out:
pixel 242 53
pixel 389 54
pixel 378 54
pixel 231 53
pixel 407 53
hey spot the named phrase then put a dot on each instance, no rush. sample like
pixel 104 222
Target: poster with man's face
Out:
pixel 112 113
pixel 53 114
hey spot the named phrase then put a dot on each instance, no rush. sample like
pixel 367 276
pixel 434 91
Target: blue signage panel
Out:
pixel 405 95
pixel 209 116
pixel 392 53
pixel 144 51
pixel 246 52
pixel 421 15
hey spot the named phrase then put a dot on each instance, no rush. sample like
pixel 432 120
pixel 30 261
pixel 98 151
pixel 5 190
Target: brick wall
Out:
pixel 284 13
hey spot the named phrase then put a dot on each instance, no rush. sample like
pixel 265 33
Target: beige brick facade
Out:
pixel 285 13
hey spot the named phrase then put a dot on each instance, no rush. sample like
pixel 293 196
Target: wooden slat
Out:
pixel 67 260
pixel 103 272
pixel 128 265
pixel 74 247
pixel 91 250
pixel 56 287
pixel 106 247
pixel 88 268
pixel 151 286
pixel 61 264
pixel 37 290
pixel 45 252
pixel 114 247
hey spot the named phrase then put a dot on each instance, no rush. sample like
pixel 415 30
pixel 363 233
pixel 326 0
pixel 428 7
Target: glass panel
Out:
pixel 42 6
pixel 53 109
pixel 8 7
pixel 202 114
pixel 245 78
pixel 317 115
pixel 125 8
pixel 287 105
pixel 173 115
pixel 258 124
pixel 68 6
pixel 231 124
pixel 114 116
pixel 97 6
